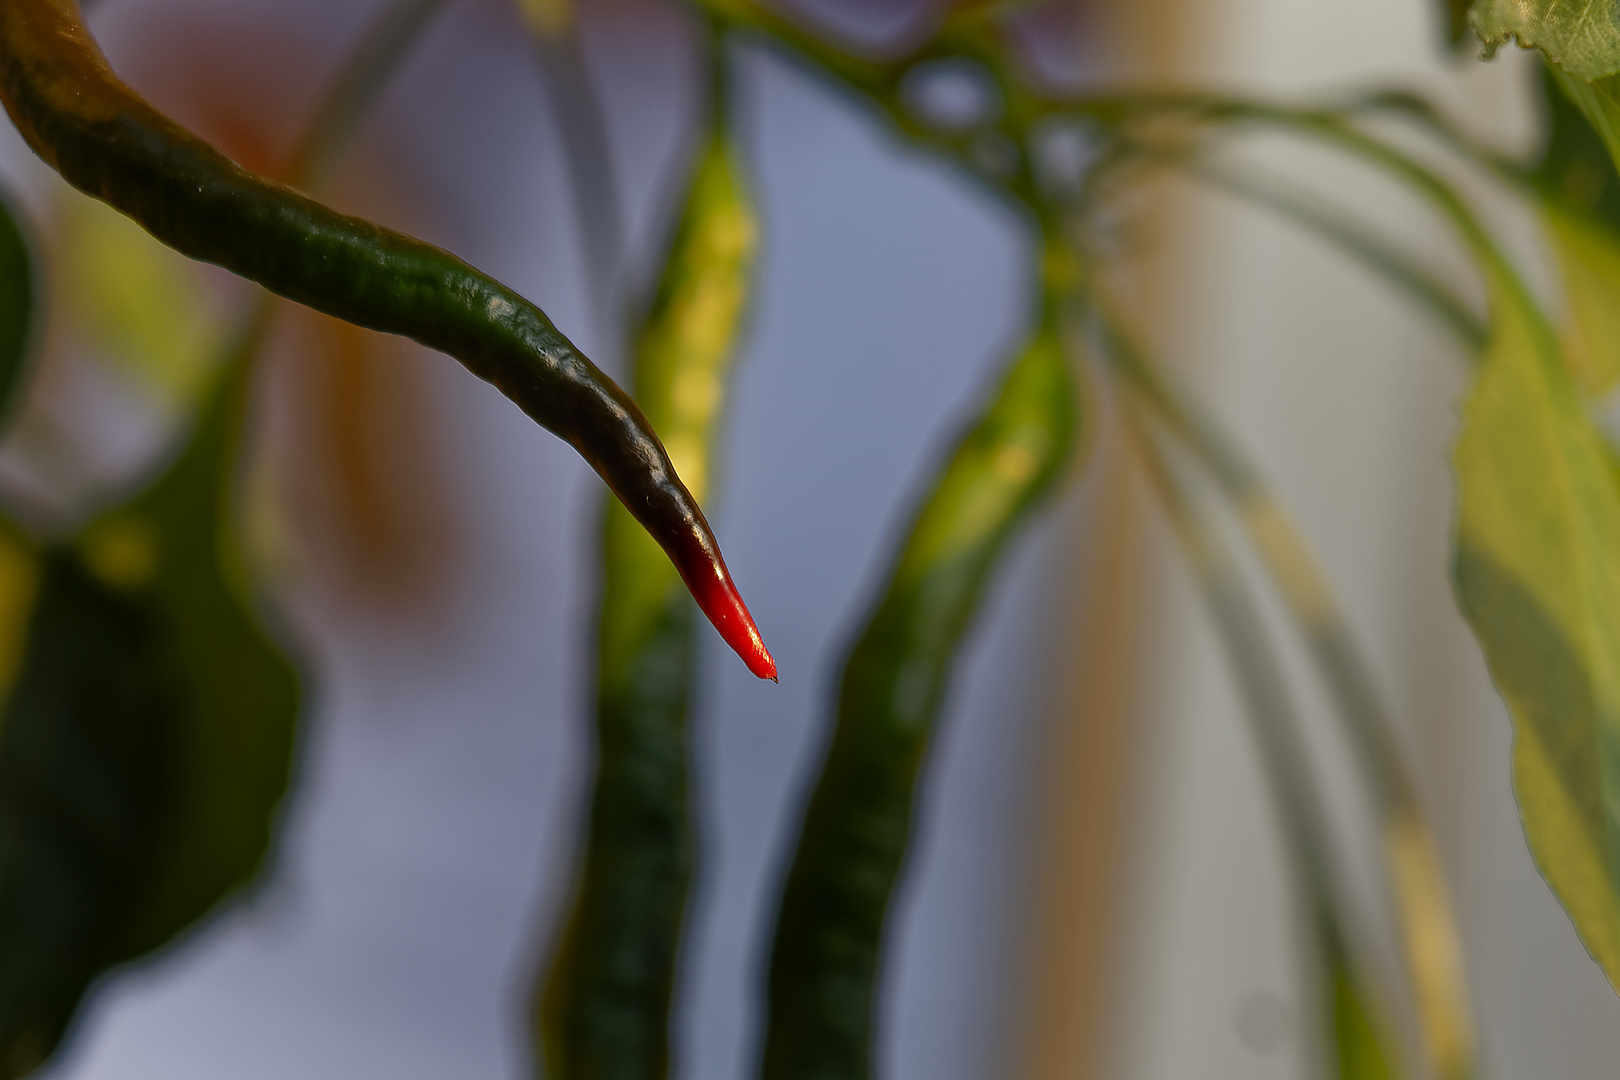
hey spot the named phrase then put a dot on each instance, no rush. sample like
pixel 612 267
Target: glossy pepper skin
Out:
pixel 106 141
pixel 857 826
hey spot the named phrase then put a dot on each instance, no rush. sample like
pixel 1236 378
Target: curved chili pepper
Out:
pixel 106 141
pixel 602 1008
pixel 857 825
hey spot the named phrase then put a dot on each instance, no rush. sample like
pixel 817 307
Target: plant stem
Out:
pixel 592 181
pixel 1431 942
pixel 1354 239
pixel 1273 720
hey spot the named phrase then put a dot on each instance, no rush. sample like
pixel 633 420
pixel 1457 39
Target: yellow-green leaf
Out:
pixel 1537 574
pixel 1588 257
pixel 1581 36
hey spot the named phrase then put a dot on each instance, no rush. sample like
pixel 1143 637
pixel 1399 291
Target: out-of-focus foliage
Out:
pixel 146 743
pixel 857 826
pixel 137 305
pixel 86 760
pixel 1537 573
pixel 147 724
pixel 1588 256
pixel 603 1006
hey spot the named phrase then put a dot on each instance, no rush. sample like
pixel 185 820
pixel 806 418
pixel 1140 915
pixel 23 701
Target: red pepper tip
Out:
pixel 719 600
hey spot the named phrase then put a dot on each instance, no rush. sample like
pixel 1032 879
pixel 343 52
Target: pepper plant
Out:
pixel 150 715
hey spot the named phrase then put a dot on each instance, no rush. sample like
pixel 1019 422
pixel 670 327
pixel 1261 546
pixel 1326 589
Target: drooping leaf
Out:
pixel 239 693
pixel 1580 36
pixel 16 307
pixel 146 744
pixel 86 758
pixel 1588 257
pixel 1537 574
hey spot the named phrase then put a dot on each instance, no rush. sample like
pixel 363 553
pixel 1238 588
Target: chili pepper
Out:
pixel 602 1009
pixel 104 139
pixel 857 824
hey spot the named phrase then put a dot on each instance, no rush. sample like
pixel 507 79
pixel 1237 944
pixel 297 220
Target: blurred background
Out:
pixel 1098 888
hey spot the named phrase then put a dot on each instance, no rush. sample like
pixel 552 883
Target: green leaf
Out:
pixel 173 545
pixel 86 755
pixel 1580 36
pixel 146 745
pixel 1588 257
pixel 1599 103
pixel 16 307
pixel 1537 575
pixel 1575 168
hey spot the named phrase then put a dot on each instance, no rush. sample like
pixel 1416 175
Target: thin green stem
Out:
pixel 1428 925
pixel 1276 726
pixel 592 180
pixel 1353 238
pixel 361 81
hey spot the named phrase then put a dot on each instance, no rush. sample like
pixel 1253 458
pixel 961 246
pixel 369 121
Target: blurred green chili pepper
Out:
pixel 835 900
pixel 603 1008
pixel 107 141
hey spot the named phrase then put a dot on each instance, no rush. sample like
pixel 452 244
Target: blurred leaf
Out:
pixel 16 307
pixel 1588 257
pixel 1599 103
pixel 146 745
pixel 239 693
pixel 1537 574
pixel 1575 168
pixel 1456 12
pixel 1580 36
pixel 85 760
pixel 134 301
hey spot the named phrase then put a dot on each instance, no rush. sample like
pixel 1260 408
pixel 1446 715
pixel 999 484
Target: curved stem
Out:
pixel 592 181
pixel 1432 946
pixel 354 93
pixel 1276 727
pixel 1354 239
